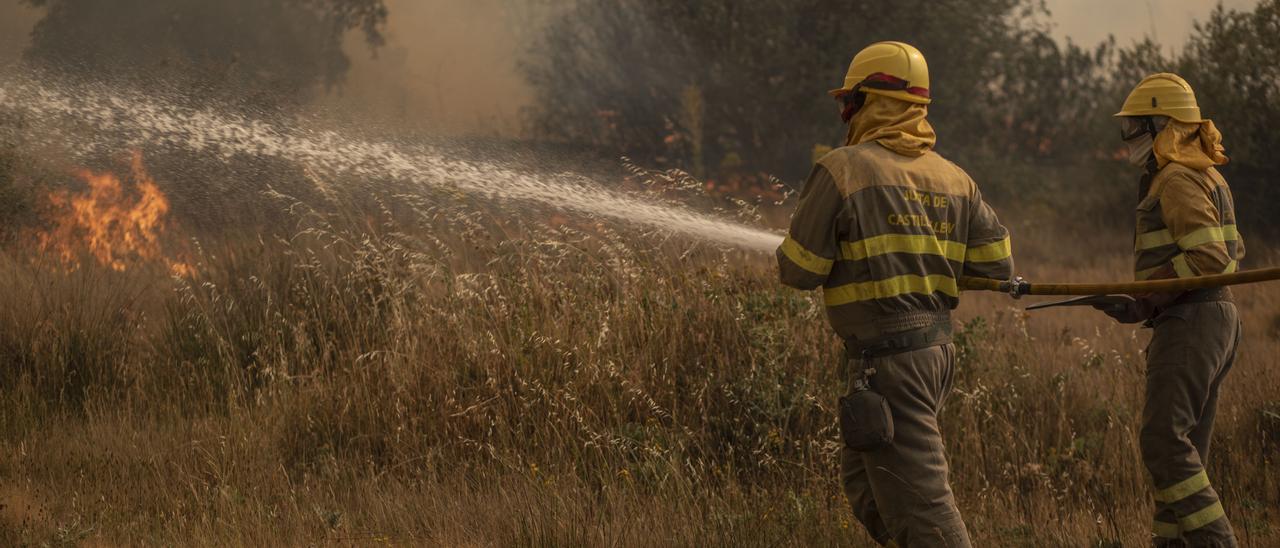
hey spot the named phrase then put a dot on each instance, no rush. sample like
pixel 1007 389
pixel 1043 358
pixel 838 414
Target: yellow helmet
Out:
pixel 892 69
pixel 1163 94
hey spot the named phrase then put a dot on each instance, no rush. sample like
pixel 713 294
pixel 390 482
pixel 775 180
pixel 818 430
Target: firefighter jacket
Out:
pixel 886 234
pixel 1186 225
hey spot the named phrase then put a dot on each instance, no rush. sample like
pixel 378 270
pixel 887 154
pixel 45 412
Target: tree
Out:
pixel 266 57
pixel 619 75
pixel 250 52
pixel 1231 63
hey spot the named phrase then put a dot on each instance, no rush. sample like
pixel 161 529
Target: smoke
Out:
pixel 449 67
pixel 16 21
pixel 1169 22
pixel 136 121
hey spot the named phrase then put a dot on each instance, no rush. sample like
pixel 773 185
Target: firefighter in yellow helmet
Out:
pixel 885 226
pixel 1186 226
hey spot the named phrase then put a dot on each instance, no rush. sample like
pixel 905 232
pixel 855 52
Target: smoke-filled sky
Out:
pixel 15 23
pixel 451 65
pixel 1088 22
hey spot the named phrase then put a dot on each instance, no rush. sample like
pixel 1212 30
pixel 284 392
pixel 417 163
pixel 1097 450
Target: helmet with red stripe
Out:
pixel 892 69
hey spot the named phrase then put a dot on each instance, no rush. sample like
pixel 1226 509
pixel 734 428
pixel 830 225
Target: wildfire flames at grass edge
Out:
pixel 108 222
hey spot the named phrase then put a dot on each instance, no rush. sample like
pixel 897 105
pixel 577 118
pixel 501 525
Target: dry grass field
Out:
pixel 431 371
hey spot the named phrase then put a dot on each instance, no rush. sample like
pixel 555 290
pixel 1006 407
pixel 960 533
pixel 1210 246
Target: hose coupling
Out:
pixel 1018 287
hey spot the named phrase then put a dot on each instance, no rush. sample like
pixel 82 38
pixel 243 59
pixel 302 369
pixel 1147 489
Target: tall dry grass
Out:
pixel 420 369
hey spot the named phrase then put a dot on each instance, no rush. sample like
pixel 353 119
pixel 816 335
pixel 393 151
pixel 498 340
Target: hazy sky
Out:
pixel 459 83
pixel 450 65
pixel 1088 22
pixel 15 24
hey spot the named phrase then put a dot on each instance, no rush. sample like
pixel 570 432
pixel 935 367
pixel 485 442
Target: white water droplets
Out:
pixel 145 120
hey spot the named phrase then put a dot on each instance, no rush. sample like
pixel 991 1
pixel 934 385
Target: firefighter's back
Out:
pixel 912 226
pixel 886 226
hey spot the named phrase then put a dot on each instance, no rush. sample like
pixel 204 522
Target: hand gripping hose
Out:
pixel 1018 287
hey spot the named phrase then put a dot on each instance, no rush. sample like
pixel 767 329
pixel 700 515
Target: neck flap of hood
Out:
pixel 1197 146
pixel 896 125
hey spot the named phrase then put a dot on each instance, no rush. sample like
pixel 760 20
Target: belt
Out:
pixel 899 343
pixel 1207 295
pixel 874 328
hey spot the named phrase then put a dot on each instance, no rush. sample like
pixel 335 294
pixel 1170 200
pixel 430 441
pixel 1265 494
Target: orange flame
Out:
pixel 110 224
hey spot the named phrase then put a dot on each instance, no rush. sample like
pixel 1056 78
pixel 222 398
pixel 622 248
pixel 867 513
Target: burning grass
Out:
pixel 420 369
pixel 117 224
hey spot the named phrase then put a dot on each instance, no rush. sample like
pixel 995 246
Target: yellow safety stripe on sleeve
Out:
pixel 918 244
pixel 990 253
pixel 890 287
pixel 1184 488
pixel 1154 239
pixel 1145 274
pixel 1181 267
pixel 804 258
pixel 1209 234
pixel 1202 518
pixel 1166 530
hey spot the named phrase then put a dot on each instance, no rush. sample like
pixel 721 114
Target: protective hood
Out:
pixel 1197 146
pixel 896 125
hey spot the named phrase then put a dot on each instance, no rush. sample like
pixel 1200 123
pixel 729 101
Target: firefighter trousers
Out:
pixel 1191 350
pixel 900 493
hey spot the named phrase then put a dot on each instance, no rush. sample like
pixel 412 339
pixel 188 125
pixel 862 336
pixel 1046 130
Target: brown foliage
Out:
pixel 433 372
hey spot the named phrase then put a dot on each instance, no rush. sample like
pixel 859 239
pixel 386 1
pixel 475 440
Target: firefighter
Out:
pixel 1185 227
pixel 885 226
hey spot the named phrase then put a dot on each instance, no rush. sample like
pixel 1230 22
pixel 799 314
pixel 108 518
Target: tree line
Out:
pixel 718 86
pixel 718 83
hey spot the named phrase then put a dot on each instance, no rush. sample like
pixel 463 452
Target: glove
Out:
pixel 1130 311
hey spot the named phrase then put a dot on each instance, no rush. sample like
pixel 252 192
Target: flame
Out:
pixel 116 227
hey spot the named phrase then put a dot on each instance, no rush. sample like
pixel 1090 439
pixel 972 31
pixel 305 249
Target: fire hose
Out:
pixel 1018 287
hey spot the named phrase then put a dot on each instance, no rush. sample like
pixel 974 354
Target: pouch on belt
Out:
pixel 866 421
pixel 866 424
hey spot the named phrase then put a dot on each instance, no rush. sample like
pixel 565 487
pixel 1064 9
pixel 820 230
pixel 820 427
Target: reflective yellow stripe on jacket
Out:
pixel 916 244
pixel 1183 270
pixel 902 243
pixel 990 253
pixel 1204 236
pixel 1186 225
pixel 804 258
pixel 1207 235
pixel 890 287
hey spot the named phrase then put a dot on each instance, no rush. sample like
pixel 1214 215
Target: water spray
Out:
pixel 146 120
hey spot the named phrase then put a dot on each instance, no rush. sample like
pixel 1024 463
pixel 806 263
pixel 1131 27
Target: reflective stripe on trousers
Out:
pixel 1190 353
